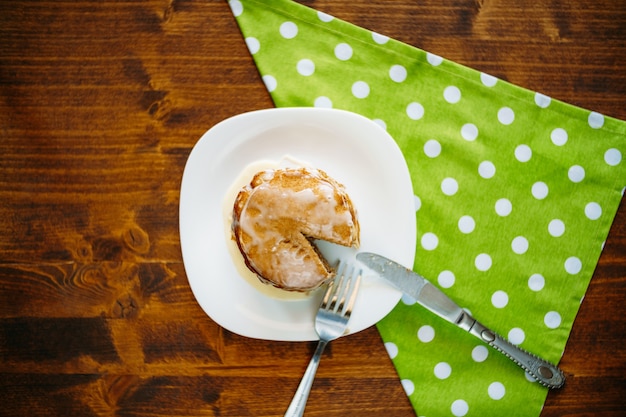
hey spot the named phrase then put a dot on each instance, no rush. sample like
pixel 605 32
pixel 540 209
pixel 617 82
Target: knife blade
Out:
pixel 436 301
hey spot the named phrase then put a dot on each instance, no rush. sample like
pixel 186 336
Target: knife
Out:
pixel 433 299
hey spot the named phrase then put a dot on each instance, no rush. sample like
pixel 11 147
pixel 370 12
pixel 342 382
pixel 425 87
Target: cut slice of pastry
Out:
pixel 278 215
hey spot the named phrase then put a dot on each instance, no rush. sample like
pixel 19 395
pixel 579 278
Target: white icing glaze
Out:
pixel 284 218
pixel 320 215
pixel 242 180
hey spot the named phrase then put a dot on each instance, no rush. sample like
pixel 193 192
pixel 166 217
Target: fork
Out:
pixel 331 322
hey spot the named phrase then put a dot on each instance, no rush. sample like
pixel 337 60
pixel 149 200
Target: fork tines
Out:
pixel 344 285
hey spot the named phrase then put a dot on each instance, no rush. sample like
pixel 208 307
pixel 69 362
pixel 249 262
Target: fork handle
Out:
pixel 296 408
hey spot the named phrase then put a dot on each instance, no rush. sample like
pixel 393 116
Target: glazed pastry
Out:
pixel 277 217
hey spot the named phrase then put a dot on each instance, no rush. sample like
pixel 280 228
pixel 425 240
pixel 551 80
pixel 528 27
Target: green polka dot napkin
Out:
pixel 515 193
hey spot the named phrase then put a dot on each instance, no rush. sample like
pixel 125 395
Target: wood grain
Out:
pixel 100 105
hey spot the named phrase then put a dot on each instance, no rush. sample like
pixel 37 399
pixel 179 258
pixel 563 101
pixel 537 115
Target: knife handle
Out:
pixel 543 371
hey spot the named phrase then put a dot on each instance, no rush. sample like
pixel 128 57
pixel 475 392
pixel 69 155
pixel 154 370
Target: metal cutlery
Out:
pixel 433 299
pixel 331 323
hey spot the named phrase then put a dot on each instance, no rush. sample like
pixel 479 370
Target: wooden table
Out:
pixel 100 105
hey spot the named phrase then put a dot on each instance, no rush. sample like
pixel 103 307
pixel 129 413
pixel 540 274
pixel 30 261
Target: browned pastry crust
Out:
pixel 279 214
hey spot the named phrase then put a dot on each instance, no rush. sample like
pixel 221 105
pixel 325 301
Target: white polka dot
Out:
pixel 253 45
pixel 434 60
pixel 596 120
pixel 467 224
pixel 343 52
pixel 483 262
pixel 459 408
pixel 559 136
pixel 542 101
pixel 499 299
pixel 442 370
pixel 519 245
pixel 305 67
pixel 426 334
pixel 432 148
pixel 469 132
pixel 536 282
pixel 576 173
pixel 409 386
pixel 408 300
pixel 540 190
pixel 397 73
pixel 236 7
pixel 418 202
pixel 288 30
pixel 523 153
pixel 486 169
pixel 415 111
pixel 503 207
pixel 360 89
pixel 270 83
pixel 552 319
pixel 323 102
pixel 480 353
pixel 380 39
pixel 449 186
pixel 488 80
pixel 506 116
pixel 380 123
pixel 593 211
pixel 516 336
pixel 556 228
pixel 430 241
pixel 392 349
pixel 529 377
pixel 573 265
pixel 496 390
pixel 452 94
pixel 613 157
pixel 446 279
pixel 324 17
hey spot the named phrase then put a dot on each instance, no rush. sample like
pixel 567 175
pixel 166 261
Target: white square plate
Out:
pixel 350 148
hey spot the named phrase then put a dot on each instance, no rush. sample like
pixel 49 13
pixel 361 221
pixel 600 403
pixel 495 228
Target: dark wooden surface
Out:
pixel 100 105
